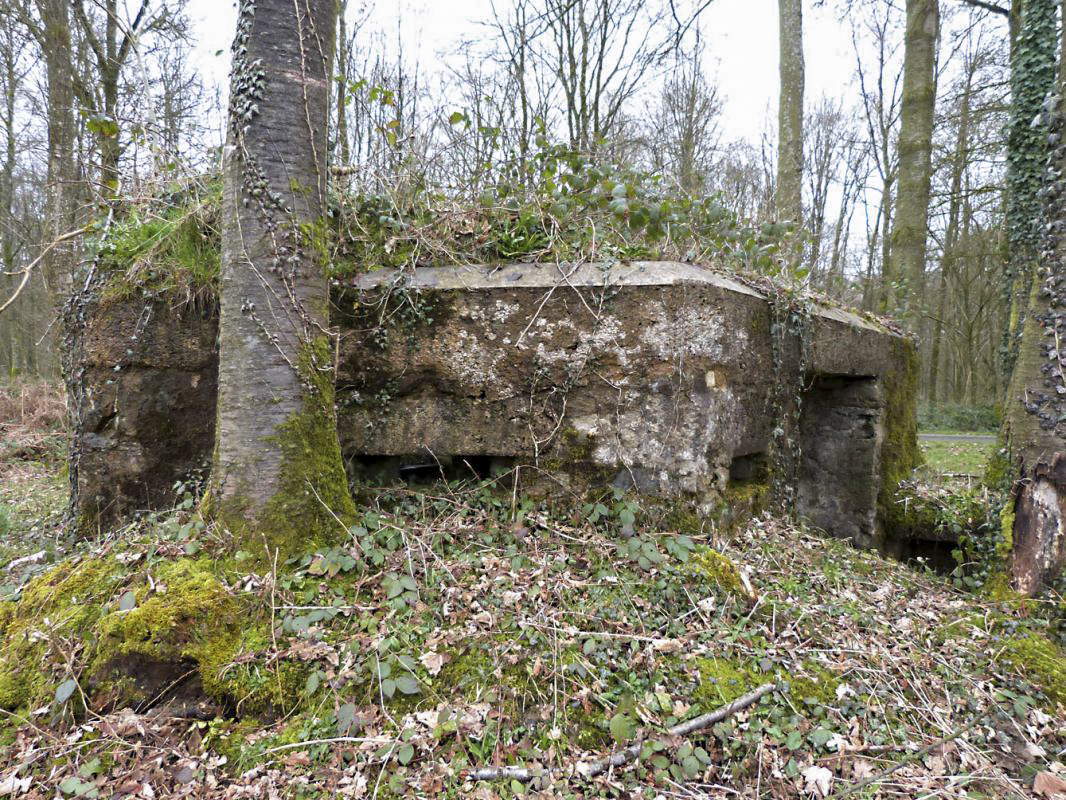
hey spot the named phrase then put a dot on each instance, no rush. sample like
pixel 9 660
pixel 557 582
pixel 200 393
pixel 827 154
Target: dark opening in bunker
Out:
pixel 426 467
pixel 749 468
pixel 936 554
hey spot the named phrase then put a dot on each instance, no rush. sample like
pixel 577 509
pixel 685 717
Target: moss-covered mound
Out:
pixel 460 627
pixel 121 632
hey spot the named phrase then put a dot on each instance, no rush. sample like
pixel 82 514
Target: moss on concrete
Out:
pixel 184 615
pixel 189 615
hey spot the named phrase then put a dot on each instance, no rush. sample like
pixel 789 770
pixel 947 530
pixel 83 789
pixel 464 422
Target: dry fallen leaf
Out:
pixel 432 662
pixel 1049 786
pixel 13 785
pixel 817 780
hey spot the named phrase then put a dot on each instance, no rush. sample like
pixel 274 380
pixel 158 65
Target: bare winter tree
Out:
pixel 49 22
pixel 111 41
pixel 906 261
pixel 597 54
pixel 788 198
pixel 684 131
pixel 879 85
pixel 277 465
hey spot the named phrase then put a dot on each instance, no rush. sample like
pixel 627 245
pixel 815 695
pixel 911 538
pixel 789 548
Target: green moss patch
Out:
pixel 1039 661
pixel 65 602
pixel 719 569
pixel 722 681
pixel 185 615
pixel 899 449
pixel 174 614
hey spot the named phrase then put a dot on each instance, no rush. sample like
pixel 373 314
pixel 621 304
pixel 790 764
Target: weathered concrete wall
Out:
pixel 661 376
pixel 143 400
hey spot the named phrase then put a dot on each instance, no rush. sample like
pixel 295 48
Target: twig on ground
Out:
pixel 910 759
pixel 590 769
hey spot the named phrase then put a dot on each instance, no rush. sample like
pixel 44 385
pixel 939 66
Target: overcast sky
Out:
pixel 740 38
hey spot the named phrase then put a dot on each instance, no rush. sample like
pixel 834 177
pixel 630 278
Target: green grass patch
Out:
pixel 957 457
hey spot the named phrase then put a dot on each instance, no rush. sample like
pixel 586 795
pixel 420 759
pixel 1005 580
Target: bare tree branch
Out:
pixel 988 7
pixel 29 268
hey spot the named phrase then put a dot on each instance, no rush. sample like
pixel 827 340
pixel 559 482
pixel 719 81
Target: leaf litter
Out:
pixel 460 632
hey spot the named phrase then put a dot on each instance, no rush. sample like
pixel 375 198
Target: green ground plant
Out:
pixel 564 207
pixel 458 626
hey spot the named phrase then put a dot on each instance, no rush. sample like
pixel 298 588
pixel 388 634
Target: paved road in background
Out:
pixel 976 438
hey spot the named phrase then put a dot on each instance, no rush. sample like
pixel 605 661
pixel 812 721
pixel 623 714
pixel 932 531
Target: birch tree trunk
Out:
pixel 277 468
pixel 910 221
pixel 788 198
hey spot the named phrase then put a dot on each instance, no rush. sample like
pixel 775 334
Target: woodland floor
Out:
pixel 460 629
pixel 956 456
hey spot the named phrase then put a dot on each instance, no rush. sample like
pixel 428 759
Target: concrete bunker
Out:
pixel 840 435
pixel 673 379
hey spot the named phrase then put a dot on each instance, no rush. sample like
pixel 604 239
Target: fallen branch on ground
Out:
pixel 918 755
pixel 590 769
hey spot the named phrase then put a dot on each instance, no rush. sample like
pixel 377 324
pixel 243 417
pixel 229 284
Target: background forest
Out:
pixel 284 628
pixel 107 102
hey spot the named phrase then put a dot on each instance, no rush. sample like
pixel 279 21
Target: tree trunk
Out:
pixel 1038 439
pixel 277 469
pixel 951 235
pixel 788 199
pixel 1035 415
pixel 343 149
pixel 1033 57
pixel 1034 424
pixel 110 149
pixel 61 195
pixel 910 221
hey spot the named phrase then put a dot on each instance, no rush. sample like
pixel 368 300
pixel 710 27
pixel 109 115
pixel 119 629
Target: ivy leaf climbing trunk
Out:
pixel 1032 70
pixel 788 196
pixel 1034 428
pixel 277 468
pixel 906 262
